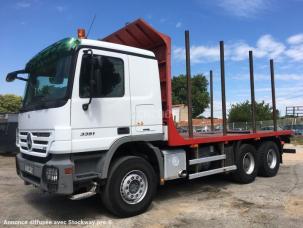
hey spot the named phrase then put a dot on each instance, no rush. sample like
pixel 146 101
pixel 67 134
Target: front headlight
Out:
pixel 51 174
pixel 51 177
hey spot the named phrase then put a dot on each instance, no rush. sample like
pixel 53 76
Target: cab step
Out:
pixel 84 195
pixel 207 159
pixel 211 172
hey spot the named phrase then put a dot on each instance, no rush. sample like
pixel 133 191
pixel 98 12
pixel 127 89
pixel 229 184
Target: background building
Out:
pixel 8 126
pixel 180 113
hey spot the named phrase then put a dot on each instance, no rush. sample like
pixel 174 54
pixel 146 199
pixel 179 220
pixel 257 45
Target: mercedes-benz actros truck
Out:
pixel 97 118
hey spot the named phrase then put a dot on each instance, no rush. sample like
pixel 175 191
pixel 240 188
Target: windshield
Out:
pixel 48 73
pixel 48 82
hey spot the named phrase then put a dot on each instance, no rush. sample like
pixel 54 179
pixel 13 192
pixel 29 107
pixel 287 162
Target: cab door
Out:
pixel 108 116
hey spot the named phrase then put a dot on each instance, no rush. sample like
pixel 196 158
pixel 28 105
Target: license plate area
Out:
pixel 29 168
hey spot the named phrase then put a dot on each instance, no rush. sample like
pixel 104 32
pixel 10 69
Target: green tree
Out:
pixel 10 103
pixel 241 112
pixel 200 96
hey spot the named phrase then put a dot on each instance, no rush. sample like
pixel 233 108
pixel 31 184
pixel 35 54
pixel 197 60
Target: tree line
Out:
pixel 10 103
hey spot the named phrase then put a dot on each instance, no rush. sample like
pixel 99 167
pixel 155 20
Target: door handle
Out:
pixel 123 130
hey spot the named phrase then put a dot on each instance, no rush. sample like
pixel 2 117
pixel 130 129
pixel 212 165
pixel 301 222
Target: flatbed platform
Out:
pixel 211 137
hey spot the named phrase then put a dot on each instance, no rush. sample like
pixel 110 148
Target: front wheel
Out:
pixel 269 159
pixel 130 187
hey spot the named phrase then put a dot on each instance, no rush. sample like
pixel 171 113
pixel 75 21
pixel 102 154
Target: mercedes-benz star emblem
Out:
pixel 29 141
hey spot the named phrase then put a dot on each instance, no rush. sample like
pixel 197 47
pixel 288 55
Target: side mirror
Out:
pixel 11 77
pixel 14 75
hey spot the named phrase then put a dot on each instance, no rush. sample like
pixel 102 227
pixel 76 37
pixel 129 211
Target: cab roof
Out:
pixel 65 46
pixel 118 47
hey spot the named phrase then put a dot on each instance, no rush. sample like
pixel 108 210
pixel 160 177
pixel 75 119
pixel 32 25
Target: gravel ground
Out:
pixel 207 202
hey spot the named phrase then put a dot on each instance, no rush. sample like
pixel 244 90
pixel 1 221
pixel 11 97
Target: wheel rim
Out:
pixel 248 163
pixel 133 187
pixel 271 159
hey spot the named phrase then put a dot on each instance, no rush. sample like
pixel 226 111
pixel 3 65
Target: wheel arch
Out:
pixel 134 145
pixel 258 142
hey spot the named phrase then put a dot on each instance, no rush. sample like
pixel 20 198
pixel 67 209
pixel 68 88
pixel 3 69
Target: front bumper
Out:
pixel 36 174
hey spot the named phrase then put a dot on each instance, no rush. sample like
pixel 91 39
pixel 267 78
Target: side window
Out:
pixel 108 76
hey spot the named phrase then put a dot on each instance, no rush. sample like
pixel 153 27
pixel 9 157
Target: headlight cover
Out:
pixel 51 178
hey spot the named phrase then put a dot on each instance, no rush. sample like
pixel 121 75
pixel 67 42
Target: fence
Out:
pixel 294 111
pixel 266 124
pixel 285 123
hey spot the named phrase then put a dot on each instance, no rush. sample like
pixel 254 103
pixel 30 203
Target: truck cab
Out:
pixel 83 95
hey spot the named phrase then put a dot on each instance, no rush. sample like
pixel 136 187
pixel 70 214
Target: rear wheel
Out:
pixel 247 166
pixel 130 187
pixel 269 159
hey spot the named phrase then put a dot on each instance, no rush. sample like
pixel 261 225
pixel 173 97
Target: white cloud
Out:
pixel 265 47
pixel 295 53
pixel 178 25
pixel 198 54
pixel 203 53
pixel 295 39
pixel 239 51
pixel 178 53
pixel 243 8
pixel 268 46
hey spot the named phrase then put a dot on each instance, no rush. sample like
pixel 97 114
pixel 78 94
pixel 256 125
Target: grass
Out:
pixel 297 140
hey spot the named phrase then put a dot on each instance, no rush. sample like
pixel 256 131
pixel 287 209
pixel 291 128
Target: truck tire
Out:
pixel 130 187
pixel 269 159
pixel 247 165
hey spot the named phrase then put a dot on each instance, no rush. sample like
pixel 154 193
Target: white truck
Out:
pixel 96 118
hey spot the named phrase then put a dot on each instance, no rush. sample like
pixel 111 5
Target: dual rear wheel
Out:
pixel 264 161
pixel 269 159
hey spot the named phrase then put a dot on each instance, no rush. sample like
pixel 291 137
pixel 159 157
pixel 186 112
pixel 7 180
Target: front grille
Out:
pixel 40 141
pixel 41 134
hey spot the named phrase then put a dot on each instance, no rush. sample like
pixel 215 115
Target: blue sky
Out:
pixel 271 28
